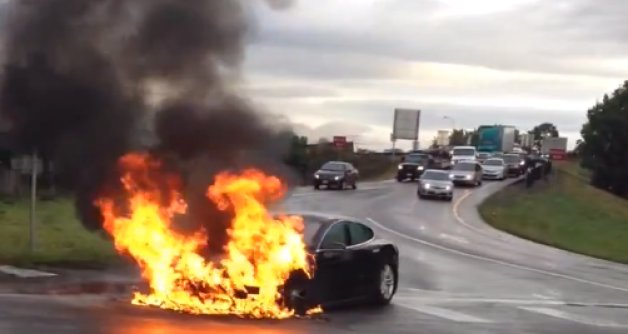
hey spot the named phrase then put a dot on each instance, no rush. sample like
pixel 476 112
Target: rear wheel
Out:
pixel 387 284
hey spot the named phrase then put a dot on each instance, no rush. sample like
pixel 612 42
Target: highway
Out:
pixel 456 276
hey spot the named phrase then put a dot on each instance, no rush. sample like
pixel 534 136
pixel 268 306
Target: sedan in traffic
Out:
pixel 466 173
pixel 515 166
pixel 336 174
pixel 494 169
pixel 352 264
pixel 436 184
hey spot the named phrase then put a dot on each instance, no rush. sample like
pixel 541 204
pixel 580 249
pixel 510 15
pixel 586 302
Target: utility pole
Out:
pixel 31 230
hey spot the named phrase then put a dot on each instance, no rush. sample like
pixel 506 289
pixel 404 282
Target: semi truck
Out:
pixel 554 147
pixel 496 138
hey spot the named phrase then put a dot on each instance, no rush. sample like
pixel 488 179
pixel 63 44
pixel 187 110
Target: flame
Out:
pixel 261 253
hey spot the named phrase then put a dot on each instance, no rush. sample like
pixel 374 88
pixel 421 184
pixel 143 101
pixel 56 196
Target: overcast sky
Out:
pixel 340 67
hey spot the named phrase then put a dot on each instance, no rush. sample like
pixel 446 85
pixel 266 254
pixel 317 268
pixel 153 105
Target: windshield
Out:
pixel 436 176
pixel 464 167
pixel 494 162
pixel 509 159
pixel 464 151
pixel 416 158
pixel 333 166
pixel 311 227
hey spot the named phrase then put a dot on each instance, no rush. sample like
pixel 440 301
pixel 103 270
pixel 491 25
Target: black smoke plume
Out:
pixel 86 81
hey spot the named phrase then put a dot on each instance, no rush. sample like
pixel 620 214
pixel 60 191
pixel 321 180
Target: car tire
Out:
pixel 354 186
pixel 341 185
pixel 421 196
pixel 317 187
pixel 399 179
pixel 386 284
pixel 450 198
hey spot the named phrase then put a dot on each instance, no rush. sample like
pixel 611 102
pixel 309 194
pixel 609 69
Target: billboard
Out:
pixel 406 124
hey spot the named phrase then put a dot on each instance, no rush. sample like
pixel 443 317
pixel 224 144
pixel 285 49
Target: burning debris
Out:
pixel 88 82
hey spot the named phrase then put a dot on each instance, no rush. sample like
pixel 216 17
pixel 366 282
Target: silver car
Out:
pixel 494 169
pixel 436 183
pixel 466 173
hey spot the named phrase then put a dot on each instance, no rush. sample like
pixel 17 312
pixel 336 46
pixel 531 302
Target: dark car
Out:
pixel 336 174
pixel 351 264
pixel 413 165
pixel 514 164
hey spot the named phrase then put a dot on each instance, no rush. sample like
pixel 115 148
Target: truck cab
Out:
pixel 413 165
pixel 462 153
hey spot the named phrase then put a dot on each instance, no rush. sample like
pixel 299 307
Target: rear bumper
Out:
pixel 464 182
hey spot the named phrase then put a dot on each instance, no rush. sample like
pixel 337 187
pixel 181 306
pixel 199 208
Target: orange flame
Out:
pixel 261 253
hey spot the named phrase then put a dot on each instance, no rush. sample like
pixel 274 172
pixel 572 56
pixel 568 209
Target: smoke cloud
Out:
pixel 86 81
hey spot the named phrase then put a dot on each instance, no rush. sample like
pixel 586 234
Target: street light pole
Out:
pixel 453 122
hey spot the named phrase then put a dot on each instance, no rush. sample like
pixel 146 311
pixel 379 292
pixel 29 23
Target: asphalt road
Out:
pixel 457 276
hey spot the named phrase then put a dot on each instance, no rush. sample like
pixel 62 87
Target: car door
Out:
pixel 478 172
pixel 334 264
pixel 365 258
pixel 353 172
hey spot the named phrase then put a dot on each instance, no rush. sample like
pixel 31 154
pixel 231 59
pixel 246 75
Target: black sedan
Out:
pixel 351 265
pixel 336 174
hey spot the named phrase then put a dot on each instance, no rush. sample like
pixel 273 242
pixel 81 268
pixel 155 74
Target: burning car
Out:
pixel 351 264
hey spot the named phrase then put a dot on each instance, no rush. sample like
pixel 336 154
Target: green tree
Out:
pixel 457 138
pixel 297 156
pixel 544 130
pixel 604 149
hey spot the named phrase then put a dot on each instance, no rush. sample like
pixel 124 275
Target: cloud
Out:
pixel 519 62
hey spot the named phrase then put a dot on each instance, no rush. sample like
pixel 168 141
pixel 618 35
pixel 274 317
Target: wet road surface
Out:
pixel 456 276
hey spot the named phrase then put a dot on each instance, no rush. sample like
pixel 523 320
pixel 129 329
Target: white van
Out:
pixel 459 153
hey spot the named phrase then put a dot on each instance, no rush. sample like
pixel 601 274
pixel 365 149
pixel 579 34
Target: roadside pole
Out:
pixel 31 230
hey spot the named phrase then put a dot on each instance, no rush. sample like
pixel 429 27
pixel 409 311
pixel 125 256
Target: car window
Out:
pixel 464 167
pixel 464 151
pixel 334 166
pixel 337 233
pixel 416 158
pixel 359 233
pixel 436 176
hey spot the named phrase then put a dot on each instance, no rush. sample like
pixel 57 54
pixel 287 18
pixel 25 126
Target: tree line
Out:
pixel 604 146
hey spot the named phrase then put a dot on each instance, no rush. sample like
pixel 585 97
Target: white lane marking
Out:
pixel 572 317
pixel 443 313
pixel 453 238
pixel 24 273
pixel 495 261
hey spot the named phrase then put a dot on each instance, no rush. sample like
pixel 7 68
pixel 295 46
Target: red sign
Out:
pixel 557 154
pixel 340 141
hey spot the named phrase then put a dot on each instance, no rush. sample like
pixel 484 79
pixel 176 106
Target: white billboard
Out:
pixel 406 124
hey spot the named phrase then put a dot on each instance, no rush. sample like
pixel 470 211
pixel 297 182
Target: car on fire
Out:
pixel 413 165
pixel 351 264
pixel 336 174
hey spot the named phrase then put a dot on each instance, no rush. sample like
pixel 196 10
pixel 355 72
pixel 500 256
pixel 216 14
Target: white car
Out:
pixel 494 169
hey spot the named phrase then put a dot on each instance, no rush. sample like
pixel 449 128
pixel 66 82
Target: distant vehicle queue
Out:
pixel 438 174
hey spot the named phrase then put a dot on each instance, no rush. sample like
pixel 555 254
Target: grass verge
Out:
pixel 60 238
pixel 565 213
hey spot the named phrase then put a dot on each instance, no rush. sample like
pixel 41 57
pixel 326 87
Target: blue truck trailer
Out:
pixel 496 138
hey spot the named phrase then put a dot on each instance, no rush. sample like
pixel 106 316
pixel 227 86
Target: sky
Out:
pixel 341 67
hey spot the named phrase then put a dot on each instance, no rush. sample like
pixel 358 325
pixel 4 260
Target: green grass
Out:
pixel 566 213
pixel 60 238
